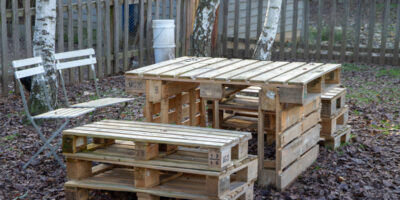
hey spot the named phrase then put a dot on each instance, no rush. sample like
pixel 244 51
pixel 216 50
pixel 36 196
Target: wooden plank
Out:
pixel 71 72
pixel 116 16
pixel 306 29
pixel 265 69
pixel 192 106
pixel 276 72
pixel 184 24
pixel 294 28
pixel 194 73
pixel 397 37
pixel 99 42
pixel 227 76
pixel 26 62
pixel 29 72
pixel 282 31
pixel 149 32
pixel 225 27
pixel 89 28
pixel 260 141
pixel 344 31
pixel 357 30
pixel 126 35
pixel 285 77
pixel 248 24
pixel 164 9
pixel 289 175
pixel 80 37
pixel 108 38
pixel 171 9
pixel 176 72
pixel 319 29
pixel 176 65
pixel 371 27
pixel 226 69
pixel 15 30
pixel 4 49
pixel 216 116
pixel 178 27
pixel 141 33
pixel 28 28
pixel 386 18
pixel 140 71
pixel 259 16
pixel 60 25
pixel 236 30
pixel 332 22
pixel 314 74
pixel 157 9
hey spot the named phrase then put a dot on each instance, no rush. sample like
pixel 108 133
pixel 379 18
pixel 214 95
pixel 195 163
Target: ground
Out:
pixel 366 168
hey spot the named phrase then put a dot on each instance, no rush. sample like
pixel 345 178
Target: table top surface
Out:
pixel 160 133
pixel 224 70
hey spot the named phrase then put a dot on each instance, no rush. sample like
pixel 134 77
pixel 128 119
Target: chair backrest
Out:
pixel 72 59
pixel 27 68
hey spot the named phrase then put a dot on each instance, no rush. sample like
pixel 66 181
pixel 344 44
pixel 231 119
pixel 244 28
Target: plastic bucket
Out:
pixel 164 39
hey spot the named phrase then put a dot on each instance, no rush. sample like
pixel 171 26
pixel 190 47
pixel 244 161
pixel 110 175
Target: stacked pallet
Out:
pixel 206 163
pixel 334 116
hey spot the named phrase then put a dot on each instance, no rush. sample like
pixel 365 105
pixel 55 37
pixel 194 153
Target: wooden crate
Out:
pixel 341 136
pixel 333 101
pixel 221 148
pixel 332 124
pixel 236 182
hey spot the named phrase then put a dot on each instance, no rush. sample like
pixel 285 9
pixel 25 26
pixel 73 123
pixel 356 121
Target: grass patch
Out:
pixel 9 137
pixel 393 72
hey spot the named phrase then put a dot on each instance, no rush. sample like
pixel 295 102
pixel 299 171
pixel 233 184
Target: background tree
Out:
pixel 268 34
pixel 203 27
pixel 44 45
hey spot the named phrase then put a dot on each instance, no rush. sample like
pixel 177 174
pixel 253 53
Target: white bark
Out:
pixel 44 45
pixel 268 34
pixel 203 27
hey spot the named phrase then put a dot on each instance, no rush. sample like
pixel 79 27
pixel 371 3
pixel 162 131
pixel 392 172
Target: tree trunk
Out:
pixel 203 27
pixel 268 34
pixel 44 45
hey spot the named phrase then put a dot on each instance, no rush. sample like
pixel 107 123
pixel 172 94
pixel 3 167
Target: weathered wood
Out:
pixel 107 41
pixel 248 21
pixel 330 125
pixel 28 28
pixel 141 33
pixel 80 37
pixel 357 28
pixel 149 31
pixel 89 28
pixel 4 49
pixel 386 18
pixel 99 42
pixel 294 28
pixel 60 25
pixel 371 27
pixel 306 29
pixel 71 72
pixel 397 37
pixel 331 37
pixel 319 29
pixel 344 31
pixel 15 29
pixel 236 30
pixel 225 26
pixel 282 31
pixel 116 34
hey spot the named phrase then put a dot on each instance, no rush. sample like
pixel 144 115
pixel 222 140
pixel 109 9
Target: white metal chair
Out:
pixel 82 58
pixel 33 67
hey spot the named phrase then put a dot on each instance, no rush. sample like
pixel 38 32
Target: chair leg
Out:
pixel 47 143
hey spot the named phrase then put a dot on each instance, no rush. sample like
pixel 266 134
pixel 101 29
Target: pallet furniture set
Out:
pixel 204 163
pixel 286 110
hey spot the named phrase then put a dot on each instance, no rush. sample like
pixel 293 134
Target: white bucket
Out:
pixel 164 39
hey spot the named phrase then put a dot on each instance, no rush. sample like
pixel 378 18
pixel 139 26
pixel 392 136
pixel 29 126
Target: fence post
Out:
pixel 4 46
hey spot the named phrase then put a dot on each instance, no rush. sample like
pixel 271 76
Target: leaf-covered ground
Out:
pixel 366 168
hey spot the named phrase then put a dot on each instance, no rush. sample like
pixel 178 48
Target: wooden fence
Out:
pixel 330 31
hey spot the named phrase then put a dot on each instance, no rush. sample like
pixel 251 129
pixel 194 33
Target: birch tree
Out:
pixel 44 45
pixel 203 27
pixel 268 34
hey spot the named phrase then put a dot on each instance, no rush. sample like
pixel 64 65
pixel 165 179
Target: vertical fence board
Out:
pixel 332 23
pixel 4 50
pixel 108 37
pixel 99 42
pixel 178 27
pixel 371 27
pixel 184 23
pixel 60 24
pixel 248 21
pixel 117 18
pixel 171 9
pixel 141 33
pixel 28 28
pixel 71 72
pixel 225 28
pixel 343 47
pixel 164 9
pixel 149 37
pixel 357 32
pixel 89 34
pixel 397 37
pixel 259 17
pixel 126 35
pixel 319 29
pixel 294 28
pixel 306 29
pixel 157 9
pixel 282 31
pixel 15 29
pixel 236 29
pixel 80 37
pixel 386 15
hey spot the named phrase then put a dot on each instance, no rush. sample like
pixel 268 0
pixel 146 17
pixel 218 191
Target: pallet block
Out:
pixel 333 101
pixel 330 125
pixel 341 136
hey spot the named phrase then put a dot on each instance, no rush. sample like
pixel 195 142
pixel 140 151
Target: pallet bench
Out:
pixel 205 163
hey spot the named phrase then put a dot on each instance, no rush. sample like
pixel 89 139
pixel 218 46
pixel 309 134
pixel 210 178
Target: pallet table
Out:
pixel 288 102
pixel 207 163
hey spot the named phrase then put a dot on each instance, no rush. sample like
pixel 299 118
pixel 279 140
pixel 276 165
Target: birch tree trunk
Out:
pixel 268 34
pixel 44 45
pixel 203 27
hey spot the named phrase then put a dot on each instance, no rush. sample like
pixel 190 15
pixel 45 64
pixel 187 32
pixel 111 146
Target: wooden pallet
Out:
pixel 298 81
pixel 331 125
pixel 235 182
pixel 333 101
pixel 341 136
pixel 221 147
